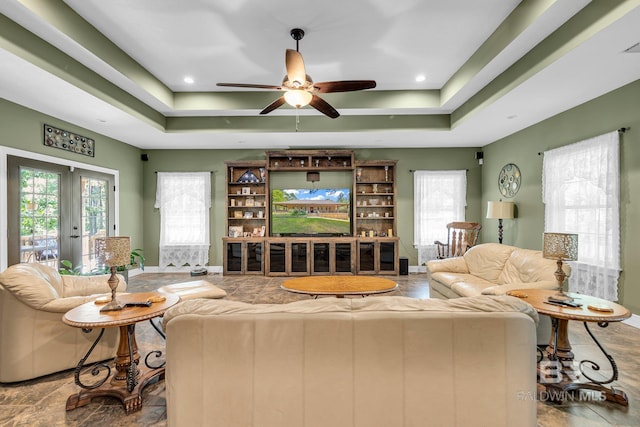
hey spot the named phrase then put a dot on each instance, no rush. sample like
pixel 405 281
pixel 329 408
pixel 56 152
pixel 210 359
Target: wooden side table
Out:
pixel 593 310
pixel 129 378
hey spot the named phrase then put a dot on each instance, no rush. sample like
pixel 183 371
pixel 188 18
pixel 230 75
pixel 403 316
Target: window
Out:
pixel 184 199
pixel 581 193
pixel 439 198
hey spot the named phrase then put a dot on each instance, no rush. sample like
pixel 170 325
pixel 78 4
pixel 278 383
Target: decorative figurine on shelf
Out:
pixel 317 162
pixel 290 164
pixel 375 188
pixel 386 173
pixel 358 174
pixel 301 163
pixel 328 160
pixel 263 174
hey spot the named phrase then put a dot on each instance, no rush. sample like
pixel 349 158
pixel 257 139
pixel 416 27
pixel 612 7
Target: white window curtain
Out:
pixel 581 193
pixel 184 199
pixel 439 197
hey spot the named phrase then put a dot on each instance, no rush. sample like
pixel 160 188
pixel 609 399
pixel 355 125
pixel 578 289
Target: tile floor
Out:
pixel 41 402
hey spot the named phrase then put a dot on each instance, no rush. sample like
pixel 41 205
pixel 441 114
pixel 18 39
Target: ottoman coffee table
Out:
pixel 340 286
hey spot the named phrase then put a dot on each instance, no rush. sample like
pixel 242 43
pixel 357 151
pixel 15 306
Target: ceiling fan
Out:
pixel 299 89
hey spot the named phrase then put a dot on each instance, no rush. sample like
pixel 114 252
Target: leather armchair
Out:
pixel 33 339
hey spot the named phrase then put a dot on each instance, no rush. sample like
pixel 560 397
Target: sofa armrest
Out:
pixel 62 305
pixel 89 285
pixel 451 265
pixel 503 289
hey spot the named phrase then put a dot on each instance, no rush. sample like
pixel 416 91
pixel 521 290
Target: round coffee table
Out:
pixel 129 379
pixel 340 286
pixel 563 378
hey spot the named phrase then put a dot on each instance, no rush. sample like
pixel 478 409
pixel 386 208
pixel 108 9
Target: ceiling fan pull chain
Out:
pixel 297 121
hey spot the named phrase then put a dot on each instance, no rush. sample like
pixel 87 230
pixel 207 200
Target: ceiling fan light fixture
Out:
pixel 298 98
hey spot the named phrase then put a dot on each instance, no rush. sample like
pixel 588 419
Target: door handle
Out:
pixel 73 236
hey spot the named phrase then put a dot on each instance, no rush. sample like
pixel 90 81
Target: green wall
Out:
pixel 22 129
pixel 617 109
pixel 213 160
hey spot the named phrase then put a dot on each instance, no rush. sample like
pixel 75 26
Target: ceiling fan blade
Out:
pixel 249 85
pixel 275 104
pixel 295 67
pixel 324 107
pixel 344 86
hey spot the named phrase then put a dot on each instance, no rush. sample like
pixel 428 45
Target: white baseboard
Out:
pixel 155 269
pixel 417 269
pixel 634 321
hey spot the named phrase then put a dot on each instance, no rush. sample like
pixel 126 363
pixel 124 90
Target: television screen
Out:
pixel 311 211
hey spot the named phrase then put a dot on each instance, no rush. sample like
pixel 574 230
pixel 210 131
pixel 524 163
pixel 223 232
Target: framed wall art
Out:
pixel 68 141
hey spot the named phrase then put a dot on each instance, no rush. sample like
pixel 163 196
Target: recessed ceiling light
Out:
pixel 189 80
pixel 420 78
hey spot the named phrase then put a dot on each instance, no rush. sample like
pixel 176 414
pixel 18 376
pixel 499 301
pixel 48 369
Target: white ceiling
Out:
pixel 244 41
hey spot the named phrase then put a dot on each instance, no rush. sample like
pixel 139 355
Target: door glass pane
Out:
pixel 39 216
pixel 387 256
pixel 234 256
pixel 367 256
pixel 94 218
pixel 299 257
pixel 254 256
pixel 320 257
pixel 277 257
pixel 343 257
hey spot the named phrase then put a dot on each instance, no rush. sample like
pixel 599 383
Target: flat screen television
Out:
pixel 311 212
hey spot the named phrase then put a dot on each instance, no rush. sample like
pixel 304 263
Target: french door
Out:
pixel 55 212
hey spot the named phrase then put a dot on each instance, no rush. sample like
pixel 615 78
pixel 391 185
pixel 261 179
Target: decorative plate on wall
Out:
pixel 509 180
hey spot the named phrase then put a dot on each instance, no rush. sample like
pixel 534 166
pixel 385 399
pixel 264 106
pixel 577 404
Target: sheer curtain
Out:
pixel 184 199
pixel 581 193
pixel 439 197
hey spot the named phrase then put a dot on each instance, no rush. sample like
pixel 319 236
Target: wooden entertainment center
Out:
pixel 371 246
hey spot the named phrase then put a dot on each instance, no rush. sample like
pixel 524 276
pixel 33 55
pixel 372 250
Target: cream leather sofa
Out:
pixel 33 339
pixel 340 362
pixel 494 269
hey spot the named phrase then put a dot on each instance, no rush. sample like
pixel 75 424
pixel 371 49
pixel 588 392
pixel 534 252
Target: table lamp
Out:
pixel 500 210
pixel 113 252
pixel 561 247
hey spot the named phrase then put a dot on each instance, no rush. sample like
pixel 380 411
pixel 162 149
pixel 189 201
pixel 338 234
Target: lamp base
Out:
pixel 114 305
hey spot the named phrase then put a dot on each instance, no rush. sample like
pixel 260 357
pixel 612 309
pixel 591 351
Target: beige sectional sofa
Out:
pixel 494 269
pixel 376 361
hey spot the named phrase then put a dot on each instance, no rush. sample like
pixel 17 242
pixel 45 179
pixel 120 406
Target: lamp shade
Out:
pixel 113 251
pixel 500 210
pixel 562 246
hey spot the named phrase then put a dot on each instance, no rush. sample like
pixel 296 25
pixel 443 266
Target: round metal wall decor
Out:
pixel 509 180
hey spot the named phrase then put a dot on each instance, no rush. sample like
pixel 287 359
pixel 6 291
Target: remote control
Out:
pixel 138 304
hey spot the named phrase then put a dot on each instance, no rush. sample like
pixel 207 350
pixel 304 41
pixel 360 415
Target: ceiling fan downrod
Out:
pixel 297 34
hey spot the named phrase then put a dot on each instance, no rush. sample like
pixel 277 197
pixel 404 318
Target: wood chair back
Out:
pixel 461 235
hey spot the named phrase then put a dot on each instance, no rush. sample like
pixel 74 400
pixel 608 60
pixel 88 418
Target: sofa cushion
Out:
pixel 481 303
pixel 526 265
pixel 487 260
pixel 471 288
pixel 449 279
